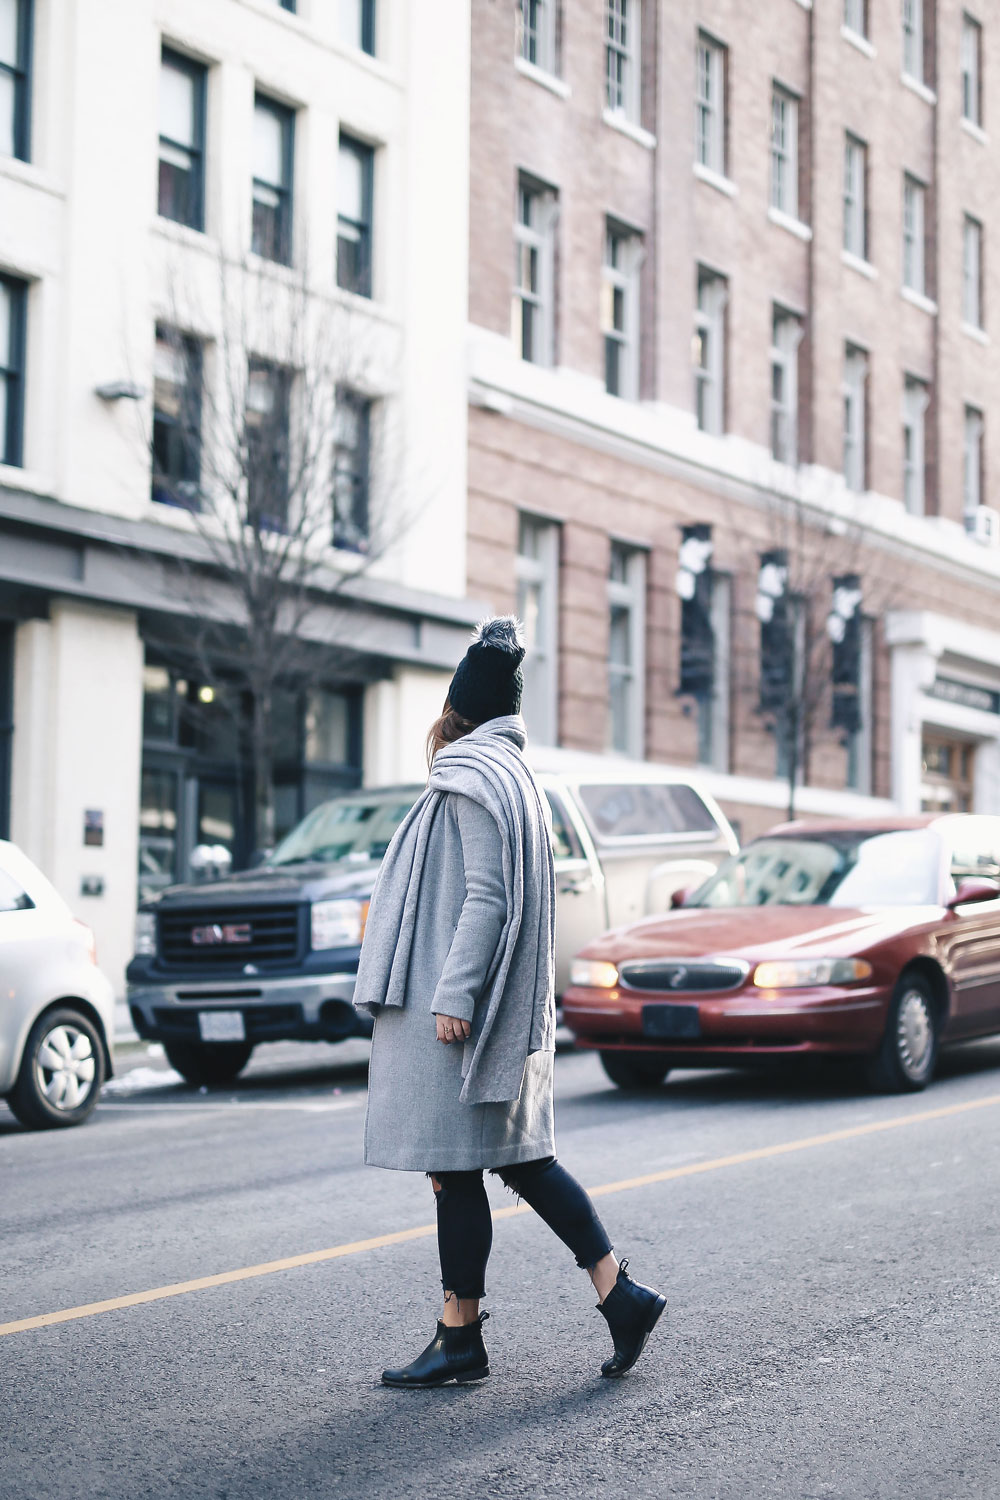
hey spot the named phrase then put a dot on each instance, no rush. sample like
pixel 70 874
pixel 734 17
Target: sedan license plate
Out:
pixel 671 1021
pixel 221 1026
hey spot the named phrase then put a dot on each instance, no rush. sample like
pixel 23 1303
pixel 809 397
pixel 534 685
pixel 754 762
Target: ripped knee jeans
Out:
pixel 465 1224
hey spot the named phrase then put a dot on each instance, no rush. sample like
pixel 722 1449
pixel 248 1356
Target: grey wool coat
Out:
pixel 462 924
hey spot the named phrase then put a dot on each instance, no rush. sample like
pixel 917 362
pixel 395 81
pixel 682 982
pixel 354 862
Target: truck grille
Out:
pixel 228 938
pixel 679 976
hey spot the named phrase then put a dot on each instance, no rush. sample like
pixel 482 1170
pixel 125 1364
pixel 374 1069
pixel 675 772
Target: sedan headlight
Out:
pixel 593 974
pixel 145 934
pixel 338 924
pixel 803 973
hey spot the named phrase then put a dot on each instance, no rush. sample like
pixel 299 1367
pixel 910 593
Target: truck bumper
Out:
pixel 312 1008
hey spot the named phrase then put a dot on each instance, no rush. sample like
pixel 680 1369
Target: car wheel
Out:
pixel 906 1059
pixel 62 1071
pixel 205 1063
pixel 634 1070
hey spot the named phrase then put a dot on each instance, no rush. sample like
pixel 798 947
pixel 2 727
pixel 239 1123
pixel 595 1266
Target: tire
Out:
pixel 207 1063
pixel 634 1070
pixel 907 1055
pixel 62 1071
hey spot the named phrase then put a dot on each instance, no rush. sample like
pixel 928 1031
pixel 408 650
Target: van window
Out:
pixel 645 810
pixel 12 897
pixel 565 844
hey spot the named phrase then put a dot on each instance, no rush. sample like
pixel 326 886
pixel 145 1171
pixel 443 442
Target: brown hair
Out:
pixel 446 730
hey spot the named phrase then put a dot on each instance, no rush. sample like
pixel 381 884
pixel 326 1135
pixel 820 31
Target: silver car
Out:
pixel 56 1007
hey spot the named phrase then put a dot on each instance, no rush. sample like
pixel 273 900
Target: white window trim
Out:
pixel 627 278
pixel 979 334
pixel 970 26
pixel 917 191
pixel 713 320
pixel 926 304
pixel 863 267
pixel 798 227
pixel 544 668
pixel 542 236
pixel 917 87
pixel 785 351
pixel 855 390
pixel 855 215
pixel 913 75
pixel 976 131
pixel 631 110
pixel 916 399
pixel 857 40
pixel 547 44
pixel 973 425
pixel 791 154
pixel 724 185
pixel 631 595
pixel 546 80
pixel 635 133
pixel 969 222
pixel 715 104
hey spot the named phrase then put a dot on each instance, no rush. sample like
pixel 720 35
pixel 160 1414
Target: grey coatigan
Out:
pixel 462 923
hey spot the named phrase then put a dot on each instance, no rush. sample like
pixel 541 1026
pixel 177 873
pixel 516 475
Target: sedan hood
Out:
pixel 758 932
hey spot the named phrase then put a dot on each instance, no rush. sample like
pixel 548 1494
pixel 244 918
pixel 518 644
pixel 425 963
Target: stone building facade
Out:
pixel 753 292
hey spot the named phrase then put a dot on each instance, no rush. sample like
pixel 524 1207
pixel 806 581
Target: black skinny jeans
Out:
pixel 465 1224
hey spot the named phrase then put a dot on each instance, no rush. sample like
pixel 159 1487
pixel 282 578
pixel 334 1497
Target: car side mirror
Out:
pixel 976 888
pixel 678 898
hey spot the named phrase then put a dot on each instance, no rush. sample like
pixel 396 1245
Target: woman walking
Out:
pixel 457 969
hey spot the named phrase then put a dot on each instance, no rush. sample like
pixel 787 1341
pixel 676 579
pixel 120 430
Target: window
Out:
pixel 710 105
pixel 533 302
pixel 972 70
pixel 972 463
pixel 913 39
pixel 282 4
pixel 856 16
pixel 859 744
pixel 786 335
pixel 620 311
pixel 644 810
pixel 357 24
pixel 537 571
pixel 621 58
pixel 708 351
pixel 536 33
pixel 177 373
pixel 6 721
pixel 855 417
pixel 351 466
pixel 855 208
pixel 13 310
pixel 267 445
pixel 626 649
pixel 784 152
pixel 273 154
pixel 914 198
pixel 972 272
pixel 182 140
pixel 713 707
pixel 355 189
pixel 915 401
pixel 15 78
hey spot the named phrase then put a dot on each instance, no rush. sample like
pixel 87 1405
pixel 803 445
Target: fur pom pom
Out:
pixel 504 632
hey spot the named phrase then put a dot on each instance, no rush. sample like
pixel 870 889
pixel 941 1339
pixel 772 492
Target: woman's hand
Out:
pixel 451 1029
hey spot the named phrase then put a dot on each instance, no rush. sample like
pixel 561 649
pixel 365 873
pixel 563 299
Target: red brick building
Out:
pixel 731 288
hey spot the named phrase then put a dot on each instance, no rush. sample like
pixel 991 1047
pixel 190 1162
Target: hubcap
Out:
pixel 914 1033
pixel 65 1067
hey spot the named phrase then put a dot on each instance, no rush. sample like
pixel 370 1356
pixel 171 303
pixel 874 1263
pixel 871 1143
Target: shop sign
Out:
pixel 966 695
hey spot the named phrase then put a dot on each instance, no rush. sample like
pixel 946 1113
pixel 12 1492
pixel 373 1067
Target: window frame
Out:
pixel 540 36
pixel 855 196
pixel 198 72
pixel 13 362
pixel 259 518
pixel 710 373
pixel 623 46
pixel 20 72
pixel 628 594
pixel 284 191
pixel 855 17
pixel 855 418
pixel 192 350
pixel 541 665
pixel 785 154
pixel 367 28
pixel 971 78
pixel 710 103
pixel 912 28
pixel 363 229
pixel 623 278
pixel 353 534
pixel 973 432
pixel 538 238
pixel 916 399
pixel 914 274
pixel 972 274
pixel 787 331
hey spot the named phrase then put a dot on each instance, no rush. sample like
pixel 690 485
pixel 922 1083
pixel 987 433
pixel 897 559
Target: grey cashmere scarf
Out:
pixel 515 1014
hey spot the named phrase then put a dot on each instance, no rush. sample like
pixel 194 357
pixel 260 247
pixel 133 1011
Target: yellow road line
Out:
pixel 421 1231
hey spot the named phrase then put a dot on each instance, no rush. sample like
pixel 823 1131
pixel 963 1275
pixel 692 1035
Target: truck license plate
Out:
pixel 221 1026
pixel 671 1020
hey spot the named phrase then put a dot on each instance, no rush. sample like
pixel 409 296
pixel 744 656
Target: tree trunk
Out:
pixel 263 770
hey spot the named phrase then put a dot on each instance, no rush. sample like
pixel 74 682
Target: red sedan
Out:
pixel 879 939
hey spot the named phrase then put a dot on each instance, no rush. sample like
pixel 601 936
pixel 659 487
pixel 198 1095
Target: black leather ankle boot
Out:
pixel 454 1354
pixel 631 1310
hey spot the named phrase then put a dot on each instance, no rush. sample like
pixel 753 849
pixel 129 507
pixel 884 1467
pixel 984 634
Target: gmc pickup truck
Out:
pixel 271 954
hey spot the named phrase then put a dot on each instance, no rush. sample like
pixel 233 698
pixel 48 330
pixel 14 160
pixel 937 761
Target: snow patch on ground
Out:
pixel 139 1079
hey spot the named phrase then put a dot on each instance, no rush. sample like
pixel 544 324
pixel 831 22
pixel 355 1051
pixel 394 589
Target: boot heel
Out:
pixel 468 1376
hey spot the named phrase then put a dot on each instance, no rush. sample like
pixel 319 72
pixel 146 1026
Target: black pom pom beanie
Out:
pixel 488 683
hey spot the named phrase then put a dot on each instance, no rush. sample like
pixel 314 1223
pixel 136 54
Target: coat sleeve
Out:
pixel 483 915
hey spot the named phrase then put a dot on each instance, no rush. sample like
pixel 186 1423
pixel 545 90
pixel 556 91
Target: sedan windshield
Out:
pixel 852 869
pixel 353 828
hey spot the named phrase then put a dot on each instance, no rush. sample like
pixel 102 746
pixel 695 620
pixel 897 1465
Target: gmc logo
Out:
pixel 232 932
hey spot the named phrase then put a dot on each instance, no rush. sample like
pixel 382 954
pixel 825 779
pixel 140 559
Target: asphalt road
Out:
pixel 832 1328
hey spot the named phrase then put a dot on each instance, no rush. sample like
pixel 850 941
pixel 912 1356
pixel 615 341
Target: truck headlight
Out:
pixel 338 924
pixel 802 973
pixel 145 934
pixel 593 974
